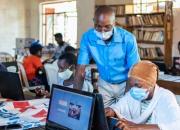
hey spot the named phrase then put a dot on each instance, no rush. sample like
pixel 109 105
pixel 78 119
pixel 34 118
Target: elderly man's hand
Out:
pixel 127 125
pixel 109 112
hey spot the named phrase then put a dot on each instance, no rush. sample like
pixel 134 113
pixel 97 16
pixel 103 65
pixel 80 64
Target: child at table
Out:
pixel 34 67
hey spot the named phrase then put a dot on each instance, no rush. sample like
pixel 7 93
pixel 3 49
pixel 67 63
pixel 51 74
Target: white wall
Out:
pixel 12 23
pixel 85 10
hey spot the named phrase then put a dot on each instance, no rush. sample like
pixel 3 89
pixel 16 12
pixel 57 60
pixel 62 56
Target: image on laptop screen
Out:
pixel 70 110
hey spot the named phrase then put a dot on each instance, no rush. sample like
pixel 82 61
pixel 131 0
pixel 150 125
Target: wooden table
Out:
pixel 172 86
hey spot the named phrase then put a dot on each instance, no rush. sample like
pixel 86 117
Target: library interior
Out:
pixel 90 65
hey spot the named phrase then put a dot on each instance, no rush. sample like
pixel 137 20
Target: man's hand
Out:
pixel 128 125
pixel 109 112
pixel 69 81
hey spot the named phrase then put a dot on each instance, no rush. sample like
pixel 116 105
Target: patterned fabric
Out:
pixel 29 114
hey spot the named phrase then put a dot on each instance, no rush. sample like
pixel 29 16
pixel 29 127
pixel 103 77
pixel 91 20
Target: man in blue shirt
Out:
pixel 113 49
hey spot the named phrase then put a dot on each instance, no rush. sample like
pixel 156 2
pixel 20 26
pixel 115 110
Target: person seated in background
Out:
pixel 67 64
pixel 34 68
pixel 70 49
pixel 146 106
pixel 61 46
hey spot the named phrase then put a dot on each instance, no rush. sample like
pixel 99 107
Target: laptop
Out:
pixel 69 109
pixel 99 118
pixel 100 121
pixel 10 86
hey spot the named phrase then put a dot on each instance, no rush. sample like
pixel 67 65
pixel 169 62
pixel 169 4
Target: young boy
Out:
pixel 67 64
pixel 34 67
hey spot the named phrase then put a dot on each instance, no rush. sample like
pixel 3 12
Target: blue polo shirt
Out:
pixel 113 59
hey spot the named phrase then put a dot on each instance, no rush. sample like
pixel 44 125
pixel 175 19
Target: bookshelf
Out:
pixel 153 30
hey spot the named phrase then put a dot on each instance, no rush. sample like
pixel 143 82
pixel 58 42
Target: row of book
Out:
pixel 120 10
pixel 143 35
pixel 139 20
pixel 150 53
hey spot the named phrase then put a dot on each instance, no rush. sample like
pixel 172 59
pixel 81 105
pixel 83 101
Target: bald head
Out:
pixel 106 10
pixel 104 18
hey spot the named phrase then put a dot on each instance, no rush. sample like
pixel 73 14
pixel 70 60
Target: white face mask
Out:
pixel 65 75
pixel 104 35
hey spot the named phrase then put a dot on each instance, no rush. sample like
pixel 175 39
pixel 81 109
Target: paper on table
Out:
pixel 41 113
pixel 22 104
pixel 170 78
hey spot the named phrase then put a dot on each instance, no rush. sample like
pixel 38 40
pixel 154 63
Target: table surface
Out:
pixel 172 86
pixel 30 113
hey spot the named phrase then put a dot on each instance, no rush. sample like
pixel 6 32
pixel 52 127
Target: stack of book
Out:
pixel 155 36
pixel 150 53
pixel 139 20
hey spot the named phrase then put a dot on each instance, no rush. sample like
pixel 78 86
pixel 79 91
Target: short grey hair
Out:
pixel 102 10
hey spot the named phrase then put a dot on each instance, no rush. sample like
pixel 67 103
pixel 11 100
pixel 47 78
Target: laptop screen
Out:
pixel 71 110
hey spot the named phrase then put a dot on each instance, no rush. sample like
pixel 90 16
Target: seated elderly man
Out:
pixel 146 106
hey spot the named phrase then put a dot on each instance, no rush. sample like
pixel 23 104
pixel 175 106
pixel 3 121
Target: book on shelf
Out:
pixel 121 21
pixel 150 53
pixel 144 35
pixel 148 19
pixel 120 10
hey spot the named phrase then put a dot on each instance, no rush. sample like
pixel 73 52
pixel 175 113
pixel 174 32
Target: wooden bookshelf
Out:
pixel 154 13
pixel 156 20
pixel 145 26
pixel 154 59
pixel 149 42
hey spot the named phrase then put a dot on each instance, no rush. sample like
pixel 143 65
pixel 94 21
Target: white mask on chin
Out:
pixel 65 75
pixel 104 35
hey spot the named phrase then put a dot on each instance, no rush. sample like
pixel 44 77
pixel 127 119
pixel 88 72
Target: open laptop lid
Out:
pixel 10 86
pixel 70 109
pixel 99 118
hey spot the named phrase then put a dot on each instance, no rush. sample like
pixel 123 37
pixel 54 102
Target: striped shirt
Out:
pixel 144 106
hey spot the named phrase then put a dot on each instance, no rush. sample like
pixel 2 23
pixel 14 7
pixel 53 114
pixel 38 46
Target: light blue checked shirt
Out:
pixel 113 59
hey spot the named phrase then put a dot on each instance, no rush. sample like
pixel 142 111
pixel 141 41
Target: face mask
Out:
pixel 139 93
pixel 104 35
pixel 65 75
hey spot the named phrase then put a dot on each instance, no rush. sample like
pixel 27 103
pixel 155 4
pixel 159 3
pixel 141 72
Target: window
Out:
pixel 58 17
pixel 149 6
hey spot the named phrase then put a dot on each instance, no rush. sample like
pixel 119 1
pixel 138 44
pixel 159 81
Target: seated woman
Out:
pixel 67 64
pixel 34 68
pixel 146 106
